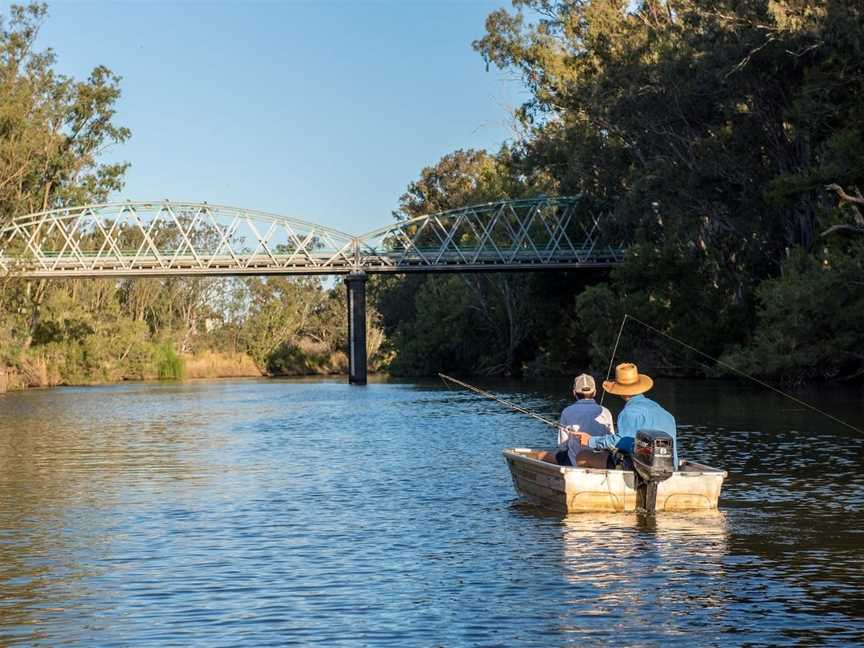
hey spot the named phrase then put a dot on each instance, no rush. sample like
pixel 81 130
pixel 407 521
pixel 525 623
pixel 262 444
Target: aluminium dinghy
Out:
pixel 693 487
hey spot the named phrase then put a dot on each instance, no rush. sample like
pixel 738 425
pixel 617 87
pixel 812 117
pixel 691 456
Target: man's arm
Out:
pixel 627 426
pixel 606 441
pixel 562 433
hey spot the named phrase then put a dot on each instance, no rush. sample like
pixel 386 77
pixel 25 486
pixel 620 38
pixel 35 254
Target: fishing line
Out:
pixel 512 406
pixel 612 357
pixel 736 370
pixel 726 365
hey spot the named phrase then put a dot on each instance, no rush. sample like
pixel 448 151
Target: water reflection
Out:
pixel 270 512
pixel 75 468
pixel 625 571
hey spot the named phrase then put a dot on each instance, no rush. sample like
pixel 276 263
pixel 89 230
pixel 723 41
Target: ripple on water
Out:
pixel 278 512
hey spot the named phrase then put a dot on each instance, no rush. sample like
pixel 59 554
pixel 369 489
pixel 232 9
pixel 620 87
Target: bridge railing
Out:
pixel 164 238
pixel 167 238
pixel 513 234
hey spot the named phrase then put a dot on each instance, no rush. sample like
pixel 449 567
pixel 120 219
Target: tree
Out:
pixel 52 130
pixel 279 309
pixel 707 130
pixel 809 320
pixel 52 127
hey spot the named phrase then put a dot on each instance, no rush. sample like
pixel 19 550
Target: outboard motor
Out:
pixel 653 462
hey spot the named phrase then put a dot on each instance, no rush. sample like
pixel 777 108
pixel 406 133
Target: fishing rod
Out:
pixel 512 406
pixel 723 364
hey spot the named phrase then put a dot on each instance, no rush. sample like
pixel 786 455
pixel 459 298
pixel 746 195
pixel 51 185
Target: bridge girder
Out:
pixel 177 238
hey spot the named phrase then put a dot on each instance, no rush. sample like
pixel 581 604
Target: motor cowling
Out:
pixel 653 462
pixel 653 453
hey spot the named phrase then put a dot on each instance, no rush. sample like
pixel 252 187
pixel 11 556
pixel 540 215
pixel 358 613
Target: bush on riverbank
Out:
pixel 169 366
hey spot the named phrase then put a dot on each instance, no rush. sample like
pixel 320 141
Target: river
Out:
pixel 272 512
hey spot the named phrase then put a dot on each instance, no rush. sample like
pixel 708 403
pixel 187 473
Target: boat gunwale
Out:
pixel 708 471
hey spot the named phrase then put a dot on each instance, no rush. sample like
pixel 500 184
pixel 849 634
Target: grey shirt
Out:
pixel 587 416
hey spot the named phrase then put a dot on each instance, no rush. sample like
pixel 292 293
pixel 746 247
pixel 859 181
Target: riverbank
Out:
pixel 40 374
pixel 210 364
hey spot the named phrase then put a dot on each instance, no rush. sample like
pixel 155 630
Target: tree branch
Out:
pixel 853 200
pixel 858 229
pixel 844 197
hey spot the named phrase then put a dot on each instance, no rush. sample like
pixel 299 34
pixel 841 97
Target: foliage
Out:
pixel 442 335
pixel 169 364
pixel 709 130
pixel 52 127
pixel 279 310
pixel 705 133
pixel 493 320
pixel 468 177
pixel 676 293
pixel 809 319
pixel 90 331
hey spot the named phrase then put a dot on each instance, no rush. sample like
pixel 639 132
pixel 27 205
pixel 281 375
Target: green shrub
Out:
pixel 169 366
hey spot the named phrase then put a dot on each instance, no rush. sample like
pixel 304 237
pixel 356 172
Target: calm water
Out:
pixel 277 512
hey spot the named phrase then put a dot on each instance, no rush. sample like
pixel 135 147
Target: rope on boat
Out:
pixel 730 368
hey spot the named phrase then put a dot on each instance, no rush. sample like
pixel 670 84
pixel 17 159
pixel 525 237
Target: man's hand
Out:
pixel 583 437
pixel 574 433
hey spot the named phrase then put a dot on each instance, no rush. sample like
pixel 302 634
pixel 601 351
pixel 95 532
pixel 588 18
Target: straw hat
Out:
pixel 628 381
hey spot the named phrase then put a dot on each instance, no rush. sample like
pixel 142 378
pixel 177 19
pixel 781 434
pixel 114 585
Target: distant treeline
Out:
pixel 724 140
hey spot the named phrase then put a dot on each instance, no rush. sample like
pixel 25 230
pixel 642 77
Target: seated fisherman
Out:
pixel 639 413
pixel 580 422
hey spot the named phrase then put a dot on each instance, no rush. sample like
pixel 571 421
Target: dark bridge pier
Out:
pixel 356 283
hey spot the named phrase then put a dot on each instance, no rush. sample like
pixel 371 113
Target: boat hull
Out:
pixel 573 490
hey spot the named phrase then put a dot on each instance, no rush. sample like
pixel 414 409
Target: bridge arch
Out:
pixel 168 238
pixel 516 235
pixel 187 238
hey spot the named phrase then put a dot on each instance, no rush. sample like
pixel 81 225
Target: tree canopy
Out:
pixel 723 139
pixel 52 127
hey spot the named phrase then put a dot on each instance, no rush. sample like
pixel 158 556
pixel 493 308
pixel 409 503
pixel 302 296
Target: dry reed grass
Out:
pixel 211 364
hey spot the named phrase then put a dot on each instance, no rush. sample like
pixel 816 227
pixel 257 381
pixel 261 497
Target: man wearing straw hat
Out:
pixel 639 413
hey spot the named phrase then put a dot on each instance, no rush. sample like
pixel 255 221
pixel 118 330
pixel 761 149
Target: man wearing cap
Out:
pixel 580 422
pixel 639 413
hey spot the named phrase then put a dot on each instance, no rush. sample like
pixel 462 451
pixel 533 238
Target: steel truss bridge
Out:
pixel 177 238
pixel 160 239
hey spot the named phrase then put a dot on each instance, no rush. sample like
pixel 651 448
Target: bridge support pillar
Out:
pixel 356 284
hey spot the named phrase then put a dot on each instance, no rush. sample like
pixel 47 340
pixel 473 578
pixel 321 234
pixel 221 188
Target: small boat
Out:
pixel 693 487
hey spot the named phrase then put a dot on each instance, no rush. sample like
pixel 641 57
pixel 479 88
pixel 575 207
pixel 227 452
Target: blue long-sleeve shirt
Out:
pixel 639 413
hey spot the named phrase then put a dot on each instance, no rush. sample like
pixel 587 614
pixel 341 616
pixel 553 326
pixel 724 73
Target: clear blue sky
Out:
pixel 323 111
